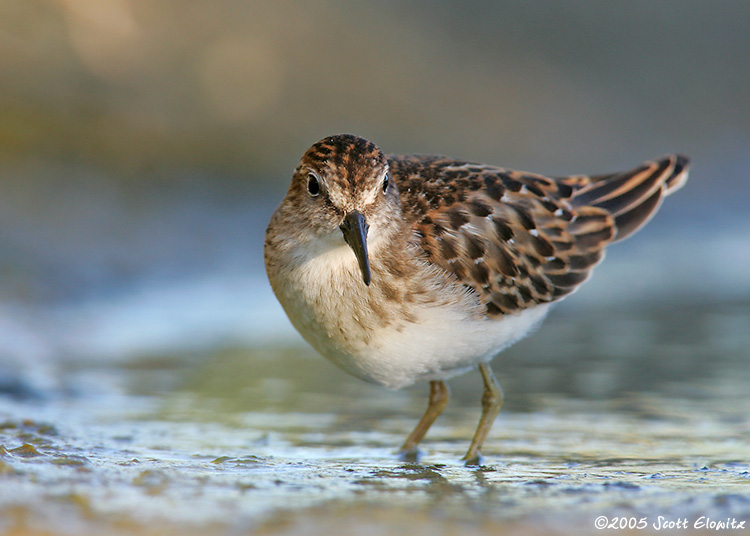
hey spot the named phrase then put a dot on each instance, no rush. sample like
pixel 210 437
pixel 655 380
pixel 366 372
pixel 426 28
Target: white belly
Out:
pixel 327 302
pixel 436 348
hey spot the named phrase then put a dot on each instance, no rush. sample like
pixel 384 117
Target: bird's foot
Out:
pixel 474 460
pixel 410 454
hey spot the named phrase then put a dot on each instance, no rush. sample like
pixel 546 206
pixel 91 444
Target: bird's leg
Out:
pixel 492 399
pixel 439 394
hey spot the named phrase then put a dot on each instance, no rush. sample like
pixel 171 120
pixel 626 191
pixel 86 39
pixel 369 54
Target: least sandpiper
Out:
pixel 403 268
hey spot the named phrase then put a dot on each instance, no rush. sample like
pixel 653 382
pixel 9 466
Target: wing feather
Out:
pixel 519 239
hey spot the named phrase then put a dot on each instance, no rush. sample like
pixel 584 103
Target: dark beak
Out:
pixel 355 233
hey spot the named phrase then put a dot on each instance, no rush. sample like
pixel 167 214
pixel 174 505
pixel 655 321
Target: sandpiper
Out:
pixel 405 268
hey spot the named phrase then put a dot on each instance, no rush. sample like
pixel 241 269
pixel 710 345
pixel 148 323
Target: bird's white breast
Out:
pixel 328 303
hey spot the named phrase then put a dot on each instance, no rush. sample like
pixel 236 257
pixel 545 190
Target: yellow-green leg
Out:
pixel 439 395
pixel 492 399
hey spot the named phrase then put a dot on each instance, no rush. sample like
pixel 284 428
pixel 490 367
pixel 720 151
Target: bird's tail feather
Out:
pixel 632 197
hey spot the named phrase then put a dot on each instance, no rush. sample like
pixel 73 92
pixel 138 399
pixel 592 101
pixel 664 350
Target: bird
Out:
pixel 417 268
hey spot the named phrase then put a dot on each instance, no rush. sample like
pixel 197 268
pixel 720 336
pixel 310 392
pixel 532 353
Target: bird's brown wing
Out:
pixel 520 239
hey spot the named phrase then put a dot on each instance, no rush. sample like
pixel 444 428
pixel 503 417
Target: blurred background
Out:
pixel 144 144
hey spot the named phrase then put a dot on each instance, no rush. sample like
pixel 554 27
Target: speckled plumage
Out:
pixel 407 268
pixel 520 239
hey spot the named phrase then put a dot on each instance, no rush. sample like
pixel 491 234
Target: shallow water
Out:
pixel 630 414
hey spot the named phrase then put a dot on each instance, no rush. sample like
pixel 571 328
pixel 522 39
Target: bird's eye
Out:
pixel 386 181
pixel 313 186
